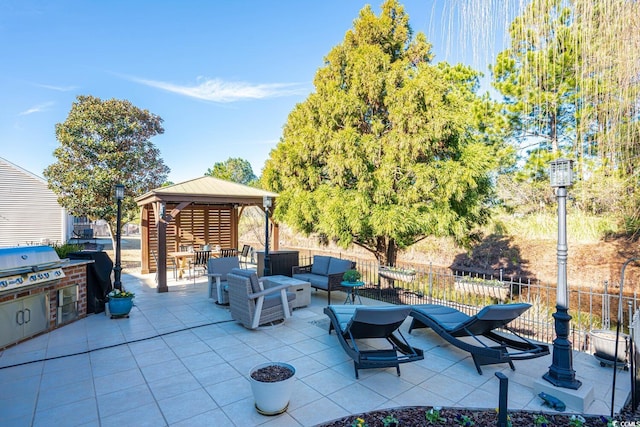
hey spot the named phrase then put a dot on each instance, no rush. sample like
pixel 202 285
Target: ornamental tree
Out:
pixel 104 143
pixel 388 149
pixel 233 169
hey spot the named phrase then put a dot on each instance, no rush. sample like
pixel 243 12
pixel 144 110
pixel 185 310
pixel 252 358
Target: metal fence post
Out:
pixel 430 282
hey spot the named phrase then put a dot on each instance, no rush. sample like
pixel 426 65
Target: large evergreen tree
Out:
pixel 537 75
pixel 570 82
pixel 104 143
pixel 388 149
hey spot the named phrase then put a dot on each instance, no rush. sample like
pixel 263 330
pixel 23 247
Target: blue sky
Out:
pixel 223 75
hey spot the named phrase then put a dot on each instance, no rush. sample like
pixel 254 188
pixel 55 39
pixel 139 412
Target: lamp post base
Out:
pixel 561 373
pixel 267 265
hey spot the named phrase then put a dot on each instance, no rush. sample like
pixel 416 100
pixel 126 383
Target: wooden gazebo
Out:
pixel 202 211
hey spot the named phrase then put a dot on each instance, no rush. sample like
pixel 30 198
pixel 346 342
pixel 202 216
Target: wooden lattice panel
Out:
pixel 196 225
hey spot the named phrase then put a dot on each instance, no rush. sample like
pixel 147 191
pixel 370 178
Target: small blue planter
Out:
pixel 120 307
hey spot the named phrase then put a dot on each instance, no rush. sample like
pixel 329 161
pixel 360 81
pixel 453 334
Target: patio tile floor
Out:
pixel 179 360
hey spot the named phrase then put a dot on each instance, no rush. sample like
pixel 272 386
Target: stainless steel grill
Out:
pixel 29 265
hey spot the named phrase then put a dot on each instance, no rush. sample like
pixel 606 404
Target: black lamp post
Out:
pixel 266 203
pixel 117 270
pixel 561 373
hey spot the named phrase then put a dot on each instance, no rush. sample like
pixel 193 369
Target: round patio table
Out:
pixel 352 291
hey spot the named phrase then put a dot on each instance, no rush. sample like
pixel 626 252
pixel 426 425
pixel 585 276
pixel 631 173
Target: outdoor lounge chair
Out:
pixel 353 322
pixel 254 303
pixel 218 268
pixel 452 324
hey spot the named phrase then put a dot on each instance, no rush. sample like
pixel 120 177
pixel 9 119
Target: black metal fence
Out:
pixel 590 308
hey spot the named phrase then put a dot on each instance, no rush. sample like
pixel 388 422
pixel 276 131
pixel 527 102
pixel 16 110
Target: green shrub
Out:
pixel 63 251
pixel 351 276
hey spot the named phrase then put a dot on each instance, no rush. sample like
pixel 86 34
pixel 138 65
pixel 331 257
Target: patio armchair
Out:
pixel 253 305
pixel 217 270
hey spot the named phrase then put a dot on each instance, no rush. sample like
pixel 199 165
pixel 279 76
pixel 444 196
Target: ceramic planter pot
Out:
pixel 500 292
pixel 604 347
pixel 402 276
pixel 119 307
pixel 272 398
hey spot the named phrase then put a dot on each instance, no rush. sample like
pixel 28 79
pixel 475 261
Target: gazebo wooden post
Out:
pixel 276 236
pixel 144 240
pixel 162 250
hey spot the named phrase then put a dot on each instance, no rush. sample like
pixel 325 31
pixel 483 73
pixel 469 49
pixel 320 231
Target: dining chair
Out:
pixel 199 261
pixel 245 255
pixel 227 252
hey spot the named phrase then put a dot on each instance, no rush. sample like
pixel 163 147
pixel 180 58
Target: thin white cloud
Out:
pixel 37 108
pixel 57 88
pixel 217 90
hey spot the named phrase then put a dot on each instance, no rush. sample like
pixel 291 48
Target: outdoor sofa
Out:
pixel 325 273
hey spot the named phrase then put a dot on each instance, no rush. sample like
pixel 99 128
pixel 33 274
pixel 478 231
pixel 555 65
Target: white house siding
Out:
pixel 29 211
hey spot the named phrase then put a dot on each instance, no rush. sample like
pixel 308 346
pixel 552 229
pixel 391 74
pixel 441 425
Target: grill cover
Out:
pixel 98 278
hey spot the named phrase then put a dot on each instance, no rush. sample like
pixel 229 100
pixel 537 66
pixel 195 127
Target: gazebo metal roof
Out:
pixel 208 190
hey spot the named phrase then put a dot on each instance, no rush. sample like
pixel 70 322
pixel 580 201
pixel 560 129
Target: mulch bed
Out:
pixel 416 416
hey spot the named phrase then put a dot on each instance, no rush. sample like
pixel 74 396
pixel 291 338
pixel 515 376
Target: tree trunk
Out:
pixel 392 252
pixel 386 251
pixel 113 236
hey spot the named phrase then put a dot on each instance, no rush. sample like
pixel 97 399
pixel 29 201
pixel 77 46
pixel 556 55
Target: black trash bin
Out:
pixel 98 278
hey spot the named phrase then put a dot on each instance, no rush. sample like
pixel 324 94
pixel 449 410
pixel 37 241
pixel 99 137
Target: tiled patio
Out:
pixel 179 360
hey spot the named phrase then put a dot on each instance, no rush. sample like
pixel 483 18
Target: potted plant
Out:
pixel 351 276
pixel 272 386
pixel 120 303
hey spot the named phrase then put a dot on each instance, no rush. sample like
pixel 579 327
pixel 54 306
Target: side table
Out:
pixel 352 291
